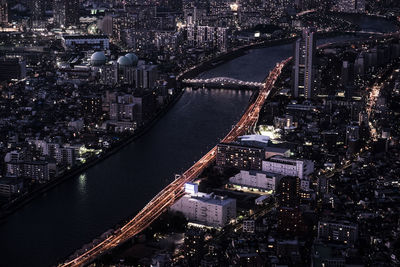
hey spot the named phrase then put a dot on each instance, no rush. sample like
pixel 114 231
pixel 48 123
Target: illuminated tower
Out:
pixel 303 67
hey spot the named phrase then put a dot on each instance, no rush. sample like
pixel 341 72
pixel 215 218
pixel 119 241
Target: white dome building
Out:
pixel 98 59
pixel 124 61
pixel 133 57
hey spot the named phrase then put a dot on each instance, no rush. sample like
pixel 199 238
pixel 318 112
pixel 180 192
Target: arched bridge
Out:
pixel 223 82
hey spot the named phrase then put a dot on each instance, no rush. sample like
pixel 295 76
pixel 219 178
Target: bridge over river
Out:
pixel 223 82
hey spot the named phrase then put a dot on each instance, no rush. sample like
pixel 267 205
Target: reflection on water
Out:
pixel 82 183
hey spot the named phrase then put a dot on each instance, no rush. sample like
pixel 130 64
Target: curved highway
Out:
pixel 174 190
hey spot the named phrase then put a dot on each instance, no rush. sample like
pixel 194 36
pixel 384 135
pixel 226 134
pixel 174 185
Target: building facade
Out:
pixel 288 166
pixel 207 209
pixel 239 157
pixel 341 231
pixel 66 13
pixel 3 13
pixel 86 42
pixel 303 74
pixel 258 180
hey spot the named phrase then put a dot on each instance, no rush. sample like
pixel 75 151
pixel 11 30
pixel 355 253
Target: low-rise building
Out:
pixel 288 166
pixel 338 231
pixel 10 186
pixel 259 180
pixel 207 209
pixel 86 42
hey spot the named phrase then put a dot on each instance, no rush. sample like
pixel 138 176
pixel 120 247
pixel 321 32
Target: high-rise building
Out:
pixel 303 66
pixel 3 12
pixel 288 192
pixel 347 78
pixel 352 133
pixel 239 157
pixel 91 107
pixel 38 12
pixel 66 13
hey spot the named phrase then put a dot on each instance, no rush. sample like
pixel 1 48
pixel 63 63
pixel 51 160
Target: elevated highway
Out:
pixel 172 192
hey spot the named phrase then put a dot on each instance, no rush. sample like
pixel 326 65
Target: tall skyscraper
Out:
pixel 3 12
pixel 38 9
pixel 347 78
pixel 66 13
pixel 303 67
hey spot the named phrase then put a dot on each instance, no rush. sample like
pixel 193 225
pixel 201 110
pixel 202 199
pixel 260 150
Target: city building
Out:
pixel 35 170
pixel 12 68
pixel 3 13
pixel 239 157
pixel 66 13
pixel 38 13
pixel 352 133
pixel 255 140
pixel 85 42
pixel 290 220
pixel 208 37
pixel 146 76
pixel 276 151
pixel 92 107
pixel 349 6
pixel 288 167
pixel 256 180
pixel 10 186
pixel 303 73
pixel 338 231
pixel 207 209
pixel 288 191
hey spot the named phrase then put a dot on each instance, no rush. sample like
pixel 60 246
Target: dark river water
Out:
pixel 54 225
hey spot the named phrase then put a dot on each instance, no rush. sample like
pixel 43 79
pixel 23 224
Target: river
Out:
pixel 54 225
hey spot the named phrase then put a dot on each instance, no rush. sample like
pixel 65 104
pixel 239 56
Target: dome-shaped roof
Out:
pixel 98 59
pixel 124 61
pixel 133 57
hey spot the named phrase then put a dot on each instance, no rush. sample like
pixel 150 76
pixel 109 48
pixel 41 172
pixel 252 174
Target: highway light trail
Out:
pixel 172 192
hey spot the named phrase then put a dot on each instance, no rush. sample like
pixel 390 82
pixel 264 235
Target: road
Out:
pixel 172 192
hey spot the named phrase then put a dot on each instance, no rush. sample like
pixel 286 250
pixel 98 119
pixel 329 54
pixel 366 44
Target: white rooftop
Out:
pixel 254 138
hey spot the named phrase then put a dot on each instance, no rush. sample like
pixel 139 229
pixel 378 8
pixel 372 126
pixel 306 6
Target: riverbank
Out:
pixel 230 55
pixel 9 209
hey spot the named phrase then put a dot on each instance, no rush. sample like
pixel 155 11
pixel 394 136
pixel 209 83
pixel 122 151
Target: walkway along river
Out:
pixel 73 213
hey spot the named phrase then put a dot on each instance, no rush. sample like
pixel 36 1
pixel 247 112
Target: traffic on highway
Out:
pixel 172 192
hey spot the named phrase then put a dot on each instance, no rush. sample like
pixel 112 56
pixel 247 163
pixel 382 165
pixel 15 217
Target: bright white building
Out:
pixel 288 167
pixel 259 180
pixel 206 209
